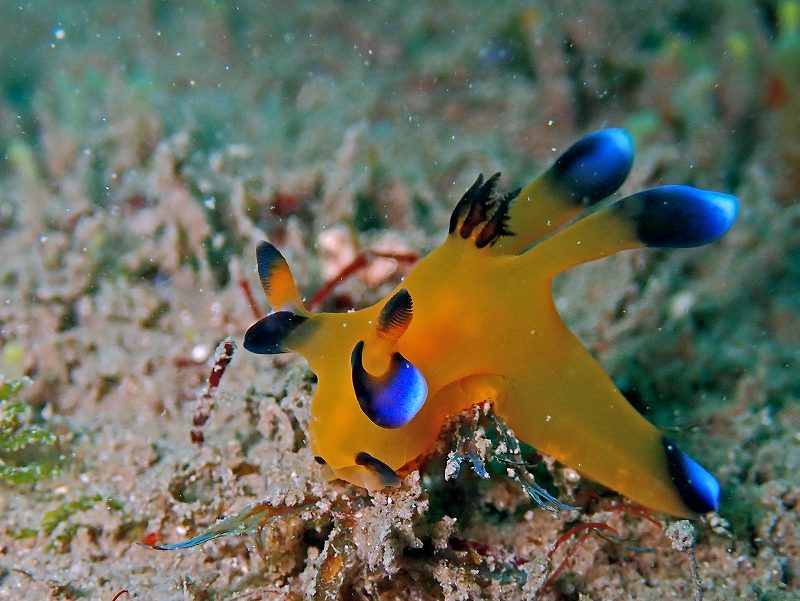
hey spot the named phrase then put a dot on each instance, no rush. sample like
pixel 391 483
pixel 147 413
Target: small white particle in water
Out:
pixel 59 33
pixel 199 352
pixel 682 303
pixel 548 418
pixel 550 122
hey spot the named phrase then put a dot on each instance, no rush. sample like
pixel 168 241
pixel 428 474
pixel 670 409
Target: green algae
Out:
pixel 23 443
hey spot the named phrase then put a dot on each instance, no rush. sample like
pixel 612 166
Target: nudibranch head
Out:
pixel 474 322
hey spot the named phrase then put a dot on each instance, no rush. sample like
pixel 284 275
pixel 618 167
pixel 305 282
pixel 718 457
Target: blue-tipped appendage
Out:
pixel 393 399
pixel 679 216
pixel 698 489
pixel 595 166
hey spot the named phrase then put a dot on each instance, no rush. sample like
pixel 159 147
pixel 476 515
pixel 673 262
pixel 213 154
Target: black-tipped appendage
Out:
pixel 497 225
pixel 480 205
pixel 266 336
pixel 387 475
pixel 266 258
pixel 396 315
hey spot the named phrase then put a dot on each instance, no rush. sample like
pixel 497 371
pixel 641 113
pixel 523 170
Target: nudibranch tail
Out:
pixel 568 408
pixel 588 171
pixel 668 216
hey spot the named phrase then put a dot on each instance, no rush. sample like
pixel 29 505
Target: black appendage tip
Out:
pixel 266 336
pixel 266 257
pixel 397 312
pixel 387 475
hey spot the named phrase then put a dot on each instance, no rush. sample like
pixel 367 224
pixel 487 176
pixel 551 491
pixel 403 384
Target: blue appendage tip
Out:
pixel 698 489
pixel 595 166
pixel 393 399
pixel 680 216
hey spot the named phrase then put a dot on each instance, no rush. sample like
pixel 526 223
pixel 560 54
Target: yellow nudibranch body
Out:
pixel 474 322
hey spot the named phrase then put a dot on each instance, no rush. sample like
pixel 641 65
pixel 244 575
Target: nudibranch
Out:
pixel 474 322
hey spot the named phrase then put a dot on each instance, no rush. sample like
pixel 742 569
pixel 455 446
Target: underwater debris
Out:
pixel 363 531
pixel 476 428
pixel 682 536
pixel 510 454
pixel 252 520
pixel 470 445
pixel 601 529
pixel 205 402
